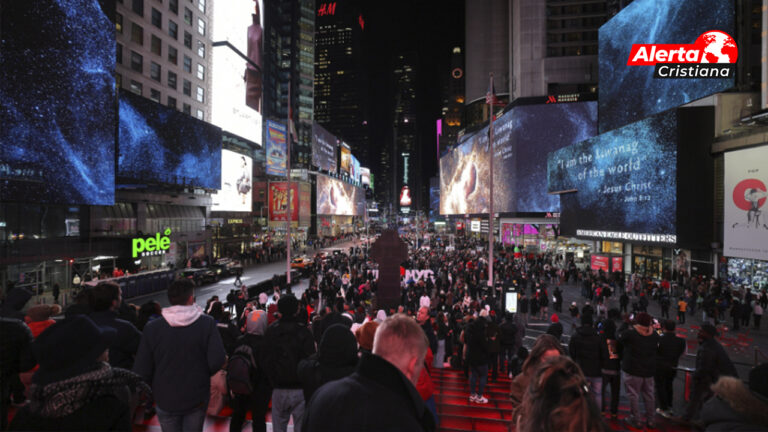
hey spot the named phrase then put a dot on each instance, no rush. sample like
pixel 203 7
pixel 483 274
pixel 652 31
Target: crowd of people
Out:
pixel 334 347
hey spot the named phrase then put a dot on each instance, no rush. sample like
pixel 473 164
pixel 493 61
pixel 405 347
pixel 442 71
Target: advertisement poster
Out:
pixel 681 261
pixel 236 93
pixel 335 197
pixel 625 182
pixel 276 149
pixel 324 149
pixel 355 169
pixel 236 187
pixel 305 204
pixel 745 229
pixel 599 262
pixel 279 204
pixel 365 176
pixel 617 264
pixel 346 160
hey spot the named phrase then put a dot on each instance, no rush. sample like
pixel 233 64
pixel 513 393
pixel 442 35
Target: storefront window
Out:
pixel 748 273
pixel 613 247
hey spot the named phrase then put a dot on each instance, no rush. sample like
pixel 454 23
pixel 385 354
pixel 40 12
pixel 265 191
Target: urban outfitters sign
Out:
pixel 156 245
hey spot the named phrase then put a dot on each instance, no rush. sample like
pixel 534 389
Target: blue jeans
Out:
pixel 287 402
pixel 640 387
pixel 478 376
pixel 596 387
pixel 184 422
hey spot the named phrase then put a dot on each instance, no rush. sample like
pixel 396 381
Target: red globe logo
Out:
pixel 717 47
pixel 743 190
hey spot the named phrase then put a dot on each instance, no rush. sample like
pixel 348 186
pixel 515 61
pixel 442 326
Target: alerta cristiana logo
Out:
pixel 713 55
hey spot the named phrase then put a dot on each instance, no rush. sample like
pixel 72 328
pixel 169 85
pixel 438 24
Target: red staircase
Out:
pixel 457 413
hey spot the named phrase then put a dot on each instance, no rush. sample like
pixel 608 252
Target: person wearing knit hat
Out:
pixel 258 401
pixel 738 407
pixel 75 388
pixel 365 336
pixel 336 358
pixel 639 367
pixel 556 328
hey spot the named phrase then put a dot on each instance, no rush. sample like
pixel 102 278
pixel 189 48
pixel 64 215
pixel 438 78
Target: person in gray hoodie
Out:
pixel 177 356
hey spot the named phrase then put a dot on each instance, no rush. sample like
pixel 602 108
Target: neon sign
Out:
pixel 156 245
pixel 327 9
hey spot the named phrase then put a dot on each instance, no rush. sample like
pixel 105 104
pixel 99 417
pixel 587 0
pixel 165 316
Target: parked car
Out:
pixel 200 275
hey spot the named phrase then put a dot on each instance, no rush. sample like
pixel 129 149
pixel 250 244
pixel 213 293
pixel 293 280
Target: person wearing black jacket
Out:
pixel 105 298
pixel 508 347
pixel 477 357
pixel 584 348
pixel 286 344
pixel 15 357
pixel 671 348
pixel 258 401
pixel 609 353
pixel 555 329
pixel 639 366
pixel 522 309
pixel 336 358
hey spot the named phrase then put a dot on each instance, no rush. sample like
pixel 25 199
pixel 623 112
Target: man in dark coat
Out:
pixel 381 394
pixel 639 366
pixel 585 349
pixel 712 362
pixel 15 357
pixel 478 358
pixel 508 350
pixel 671 348
pixel 105 298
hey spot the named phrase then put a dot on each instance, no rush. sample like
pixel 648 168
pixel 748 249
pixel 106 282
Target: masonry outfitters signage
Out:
pixel 157 245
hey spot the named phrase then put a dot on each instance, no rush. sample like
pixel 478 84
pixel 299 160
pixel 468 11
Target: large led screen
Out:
pixel 745 228
pixel 57 107
pixel 625 182
pixel 236 95
pixel 158 144
pixel 522 138
pixel 335 197
pixel 354 168
pixel 346 160
pixel 630 93
pixel 365 176
pixel 236 187
pixel 277 157
pixel 323 149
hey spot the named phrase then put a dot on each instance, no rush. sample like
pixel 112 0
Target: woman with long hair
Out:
pixel 558 399
pixel 546 346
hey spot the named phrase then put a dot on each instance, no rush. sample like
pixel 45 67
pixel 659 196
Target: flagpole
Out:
pixel 490 201
pixel 288 220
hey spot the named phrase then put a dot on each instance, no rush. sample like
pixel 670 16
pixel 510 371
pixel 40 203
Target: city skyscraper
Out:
pixel 453 102
pixel 406 155
pixel 341 83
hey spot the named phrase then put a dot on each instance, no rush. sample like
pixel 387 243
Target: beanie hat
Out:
pixel 256 323
pixel 643 319
pixel 287 306
pixel 554 318
pixel 43 312
pixel 365 335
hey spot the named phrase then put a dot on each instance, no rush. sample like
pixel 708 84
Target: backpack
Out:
pixel 241 370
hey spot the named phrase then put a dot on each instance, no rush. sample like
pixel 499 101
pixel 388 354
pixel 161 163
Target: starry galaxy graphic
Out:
pixel 630 93
pixel 629 185
pixel 57 102
pixel 158 144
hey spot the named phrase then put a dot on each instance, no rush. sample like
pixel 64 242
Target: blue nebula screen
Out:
pixel 57 102
pixel 537 131
pixel 625 179
pixel 158 144
pixel 631 93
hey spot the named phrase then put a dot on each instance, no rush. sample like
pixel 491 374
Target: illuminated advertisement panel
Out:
pixel 278 201
pixel 305 204
pixel 354 172
pixel 335 197
pixel 57 102
pixel 365 176
pixel 653 52
pixel 346 160
pixel 745 228
pixel 324 149
pixel 236 94
pixel 276 149
pixel 236 187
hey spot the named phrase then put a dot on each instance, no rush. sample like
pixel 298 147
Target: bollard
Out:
pixel 687 386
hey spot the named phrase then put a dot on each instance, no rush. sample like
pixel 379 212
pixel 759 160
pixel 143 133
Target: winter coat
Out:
pixel 494 338
pixel 734 408
pixel 584 348
pixel 670 349
pixel 124 347
pixel 556 330
pixel 639 351
pixel 508 330
pixel 477 342
pixel 336 358
pixel 712 362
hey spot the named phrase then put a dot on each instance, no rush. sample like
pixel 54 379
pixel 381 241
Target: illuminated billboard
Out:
pixel 365 176
pixel 323 149
pixel 746 193
pixel 276 149
pixel 57 103
pixel 335 197
pixel 354 168
pixel 236 187
pixel 650 38
pixel 236 93
pixel 279 201
pixel 346 160
pixel 405 197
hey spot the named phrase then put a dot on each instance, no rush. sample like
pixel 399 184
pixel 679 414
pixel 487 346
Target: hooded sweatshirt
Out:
pixel 336 358
pixel 639 344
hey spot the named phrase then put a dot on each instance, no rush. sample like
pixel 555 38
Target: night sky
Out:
pixel 430 27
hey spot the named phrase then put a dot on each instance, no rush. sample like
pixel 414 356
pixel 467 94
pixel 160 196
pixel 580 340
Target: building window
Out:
pixel 201 49
pixel 187 88
pixel 118 80
pixel 157 18
pixel 119 23
pixel 200 72
pixel 119 56
pixel 200 94
pixel 173 30
pixel 138 7
pixel 137 34
pixel 200 114
pixel 172 102
pixel 154 95
pixel 173 55
pixel 201 26
pixel 188 40
pixel 187 64
pixel 187 109
pixel 137 62
pixel 136 87
pixel 187 16
pixel 201 5
pixel 154 71
pixel 157 46
pixel 172 80
pixel 173 6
